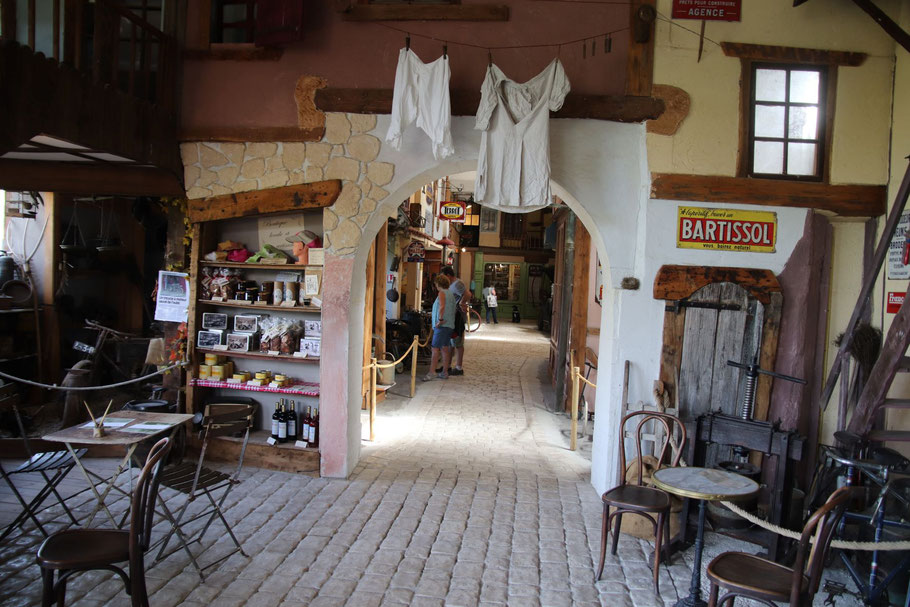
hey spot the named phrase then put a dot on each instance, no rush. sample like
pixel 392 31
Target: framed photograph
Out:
pixel 312 328
pixel 214 322
pixel 208 339
pixel 311 347
pixel 246 324
pixel 238 342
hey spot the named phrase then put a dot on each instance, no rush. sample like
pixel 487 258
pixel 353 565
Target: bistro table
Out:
pixel 127 428
pixel 705 485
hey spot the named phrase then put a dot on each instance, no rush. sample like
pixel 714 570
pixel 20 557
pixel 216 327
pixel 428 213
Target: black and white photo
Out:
pixel 208 339
pixel 246 324
pixel 238 342
pixel 212 321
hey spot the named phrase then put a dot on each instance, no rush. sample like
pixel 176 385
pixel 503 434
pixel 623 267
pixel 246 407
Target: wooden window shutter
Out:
pixel 278 22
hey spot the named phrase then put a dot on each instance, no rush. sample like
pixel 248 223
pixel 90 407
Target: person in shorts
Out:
pixel 443 320
pixel 462 297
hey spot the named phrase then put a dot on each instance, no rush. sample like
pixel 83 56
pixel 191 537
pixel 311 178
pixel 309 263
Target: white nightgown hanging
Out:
pixel 422 94
pixel 513 170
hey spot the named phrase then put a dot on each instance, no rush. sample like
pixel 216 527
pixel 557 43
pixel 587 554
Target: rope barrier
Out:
pixel 795 535
pixel 90 388
pixel 380 365
pixel 592 384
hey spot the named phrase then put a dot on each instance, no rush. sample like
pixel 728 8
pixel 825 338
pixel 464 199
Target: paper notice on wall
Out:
pixel 173 296
pixel 276 229
pixel 896 268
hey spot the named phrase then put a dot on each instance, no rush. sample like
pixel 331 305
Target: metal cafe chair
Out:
pixel 52 466
pixel 750 576
pixel 74 550
pixel 195 480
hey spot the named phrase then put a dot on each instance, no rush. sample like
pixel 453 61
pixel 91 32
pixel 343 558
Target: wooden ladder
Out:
pixel 891 359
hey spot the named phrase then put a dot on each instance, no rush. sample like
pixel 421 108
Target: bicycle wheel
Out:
pixel 473 320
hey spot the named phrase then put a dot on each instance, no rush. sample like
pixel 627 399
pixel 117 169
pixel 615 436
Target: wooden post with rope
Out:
pixel 372 398
pixel 414 366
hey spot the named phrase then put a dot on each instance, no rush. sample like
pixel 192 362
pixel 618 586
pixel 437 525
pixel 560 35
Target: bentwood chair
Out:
pixel 197 480
pixel 52 466
pixel 750 576
pixel 649 502
pixel 75 550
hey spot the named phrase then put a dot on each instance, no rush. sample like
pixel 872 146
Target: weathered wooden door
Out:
pixel 722 323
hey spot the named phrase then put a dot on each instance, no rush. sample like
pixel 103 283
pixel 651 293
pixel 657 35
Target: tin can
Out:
pixel 290 291
pixel 278 293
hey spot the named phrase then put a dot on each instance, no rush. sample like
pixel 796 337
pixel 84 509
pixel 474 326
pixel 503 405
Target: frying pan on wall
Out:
pixel 392 294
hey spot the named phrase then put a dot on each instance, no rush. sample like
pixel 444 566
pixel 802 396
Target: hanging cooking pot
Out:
pixel 392 293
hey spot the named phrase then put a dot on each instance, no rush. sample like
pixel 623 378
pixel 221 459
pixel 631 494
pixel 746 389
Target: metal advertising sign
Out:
pixel 896 268
pixel 895 301
pixel 416 251
pixel 708 10
pixel 726 230
pixel 452 211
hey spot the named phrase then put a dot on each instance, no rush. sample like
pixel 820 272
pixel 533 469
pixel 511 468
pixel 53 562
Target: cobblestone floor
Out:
pixel 468 497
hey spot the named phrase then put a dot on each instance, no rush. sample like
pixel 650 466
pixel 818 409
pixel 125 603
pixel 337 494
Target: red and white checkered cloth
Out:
pixel 300 388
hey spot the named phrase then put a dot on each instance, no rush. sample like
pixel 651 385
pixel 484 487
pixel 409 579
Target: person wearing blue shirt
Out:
pixel 443 320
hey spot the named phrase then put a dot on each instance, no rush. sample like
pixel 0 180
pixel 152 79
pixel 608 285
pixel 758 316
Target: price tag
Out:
pixel 300 354
pixel 274 353
pixel 301 443
pixel 288 303
pixel 261 303
pixel 275 384
pixel 217 298
pixel 220 347
pixel 271 441
pixel 234 381
pixel 315 301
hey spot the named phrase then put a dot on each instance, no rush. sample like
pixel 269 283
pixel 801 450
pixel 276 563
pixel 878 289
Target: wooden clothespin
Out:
pixel 490 56
pixel 445 50
pixel 407 42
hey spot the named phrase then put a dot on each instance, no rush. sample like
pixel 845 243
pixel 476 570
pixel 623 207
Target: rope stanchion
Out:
pixel 590 383
pixel 90 388
pixel 795 535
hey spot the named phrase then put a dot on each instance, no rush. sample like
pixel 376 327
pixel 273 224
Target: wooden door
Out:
pixel 722 323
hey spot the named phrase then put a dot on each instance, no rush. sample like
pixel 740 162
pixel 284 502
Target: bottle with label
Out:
pixel 275 422
pixel 314 424
pixel 282 426
pixel 292 424
pixel 309 426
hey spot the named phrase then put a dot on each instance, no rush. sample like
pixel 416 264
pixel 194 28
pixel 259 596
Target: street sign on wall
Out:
pixel 726 230
pixel 452 211
pixel 708 10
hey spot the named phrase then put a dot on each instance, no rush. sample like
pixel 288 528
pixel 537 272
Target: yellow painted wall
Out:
pixel 708 139
pixel 866 147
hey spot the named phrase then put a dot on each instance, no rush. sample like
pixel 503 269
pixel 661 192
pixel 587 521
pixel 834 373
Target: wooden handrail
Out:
pixel 106 21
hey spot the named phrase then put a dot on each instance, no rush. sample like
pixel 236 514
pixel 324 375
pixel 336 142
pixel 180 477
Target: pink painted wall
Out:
pixel 364 55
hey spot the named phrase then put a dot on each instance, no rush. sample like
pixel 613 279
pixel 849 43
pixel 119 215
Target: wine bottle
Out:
pixel 275 422
pixel 282 426
pixel 309 426
pixel 314 421
pixel 292 424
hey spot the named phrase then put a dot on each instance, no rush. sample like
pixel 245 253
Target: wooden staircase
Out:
pixel 892 358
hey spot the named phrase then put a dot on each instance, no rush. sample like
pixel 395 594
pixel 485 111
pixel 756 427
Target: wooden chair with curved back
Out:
pixel 750 576
pixel 639 498
pixel 74 550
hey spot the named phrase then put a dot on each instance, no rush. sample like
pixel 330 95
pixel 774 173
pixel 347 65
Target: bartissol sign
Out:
pixel 726 230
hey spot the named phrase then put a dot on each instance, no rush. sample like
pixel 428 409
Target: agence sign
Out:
pixel 708 10
pixel 726 230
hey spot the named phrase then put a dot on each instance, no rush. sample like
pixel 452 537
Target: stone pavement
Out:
pixel 469 496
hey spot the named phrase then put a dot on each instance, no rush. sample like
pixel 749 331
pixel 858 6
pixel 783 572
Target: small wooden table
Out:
pixel 127 428
pixel 705 485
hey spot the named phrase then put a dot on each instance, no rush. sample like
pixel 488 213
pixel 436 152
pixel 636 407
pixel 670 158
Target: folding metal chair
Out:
pixel 53 466
pixel 196 480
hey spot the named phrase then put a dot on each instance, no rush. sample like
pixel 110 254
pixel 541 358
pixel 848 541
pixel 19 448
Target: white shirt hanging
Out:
pixel 422 94
pixel 513 170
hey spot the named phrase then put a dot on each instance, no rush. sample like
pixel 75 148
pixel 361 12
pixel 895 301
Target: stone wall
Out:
pixel 347 151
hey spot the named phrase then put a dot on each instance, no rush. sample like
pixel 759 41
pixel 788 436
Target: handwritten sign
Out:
pixel 726 230
pixel 275 230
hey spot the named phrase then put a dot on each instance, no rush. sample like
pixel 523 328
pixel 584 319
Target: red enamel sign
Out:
pixel 708 10
pixel 895 301
pixel 452 211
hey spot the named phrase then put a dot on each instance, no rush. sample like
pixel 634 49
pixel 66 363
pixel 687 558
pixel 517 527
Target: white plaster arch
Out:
pixel 600 169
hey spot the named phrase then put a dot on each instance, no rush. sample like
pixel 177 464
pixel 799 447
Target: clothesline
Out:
pixel 557 45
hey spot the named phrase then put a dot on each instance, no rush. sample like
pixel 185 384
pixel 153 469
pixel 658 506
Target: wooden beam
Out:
pixel 843 200
pixel 578 323
pixel 640 61
pixel 417 12
pixel 317 195
pixel 242 134
pixel 617 108
pixel 887 23
pixel 85 178
pixel 791 54
pixel 369 296
pixel 379 278
pixel 673 283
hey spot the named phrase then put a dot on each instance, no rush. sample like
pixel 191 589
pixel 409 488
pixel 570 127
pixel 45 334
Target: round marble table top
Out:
pixel 705 483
